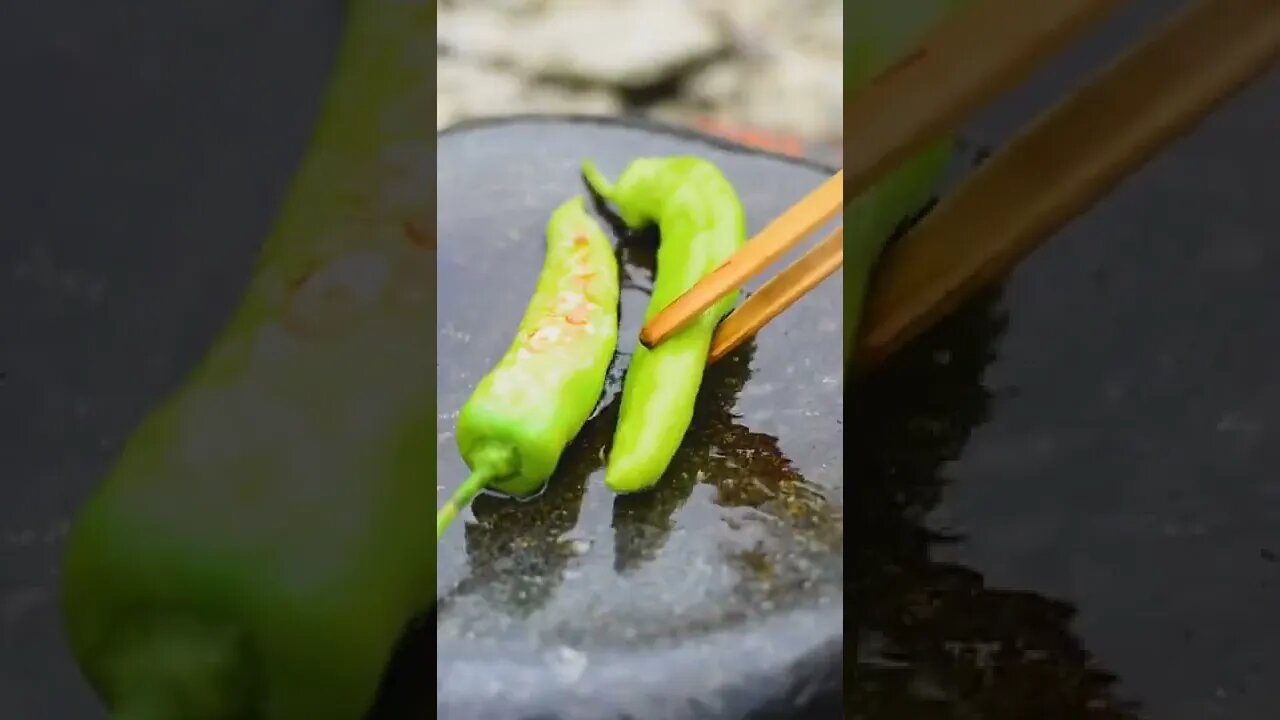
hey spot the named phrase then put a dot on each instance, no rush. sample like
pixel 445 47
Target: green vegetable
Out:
pixel 522 415
pixel 878 32
pixel 701 222
pixel 258 548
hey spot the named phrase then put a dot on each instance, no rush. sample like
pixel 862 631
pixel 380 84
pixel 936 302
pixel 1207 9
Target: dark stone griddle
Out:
pixel 720 591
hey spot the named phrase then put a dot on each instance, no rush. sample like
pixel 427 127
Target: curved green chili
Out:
pixel 521 416
pixel 257 548
pixel 702 224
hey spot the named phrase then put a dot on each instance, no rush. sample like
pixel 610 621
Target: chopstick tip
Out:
pixel 647 338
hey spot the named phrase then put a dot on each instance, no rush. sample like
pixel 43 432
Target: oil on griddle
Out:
pixel 933 639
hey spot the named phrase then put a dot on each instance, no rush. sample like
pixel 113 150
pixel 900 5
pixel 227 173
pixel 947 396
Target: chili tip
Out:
pixel 596 180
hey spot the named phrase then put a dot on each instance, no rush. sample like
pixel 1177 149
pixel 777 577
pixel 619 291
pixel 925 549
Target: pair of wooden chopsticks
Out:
pixel 1057 167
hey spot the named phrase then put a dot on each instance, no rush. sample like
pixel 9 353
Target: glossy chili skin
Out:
pixel 701 224
pixel 259 546
pixel 523 414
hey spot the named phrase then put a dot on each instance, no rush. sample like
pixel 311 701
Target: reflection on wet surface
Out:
pixel 1068 510
pixel 933 638
pixel 520 553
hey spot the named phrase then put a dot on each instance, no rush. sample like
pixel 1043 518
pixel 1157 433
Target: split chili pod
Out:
pixel 521 416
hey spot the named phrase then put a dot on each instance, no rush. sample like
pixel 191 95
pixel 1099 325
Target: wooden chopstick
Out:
pixel 779 293
pixel 759 253
pixel 968 60
pixel 1065 161
pixel 1058 167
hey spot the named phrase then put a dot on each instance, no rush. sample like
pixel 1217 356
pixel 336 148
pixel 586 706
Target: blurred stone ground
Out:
pixel 772 66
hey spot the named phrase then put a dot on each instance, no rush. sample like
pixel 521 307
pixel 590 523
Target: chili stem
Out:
pixel 492 463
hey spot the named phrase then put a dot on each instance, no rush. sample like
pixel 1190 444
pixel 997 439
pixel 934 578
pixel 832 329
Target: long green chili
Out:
pixel 257 548
pixel 701 223
pixel 517 422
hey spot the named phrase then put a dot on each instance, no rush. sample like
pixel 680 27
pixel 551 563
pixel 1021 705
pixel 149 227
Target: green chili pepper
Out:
pixel 879 32
pixel 258 549
pixel 701 223
pixel 513 429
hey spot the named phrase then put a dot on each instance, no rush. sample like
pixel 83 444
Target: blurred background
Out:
pixel 767 72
